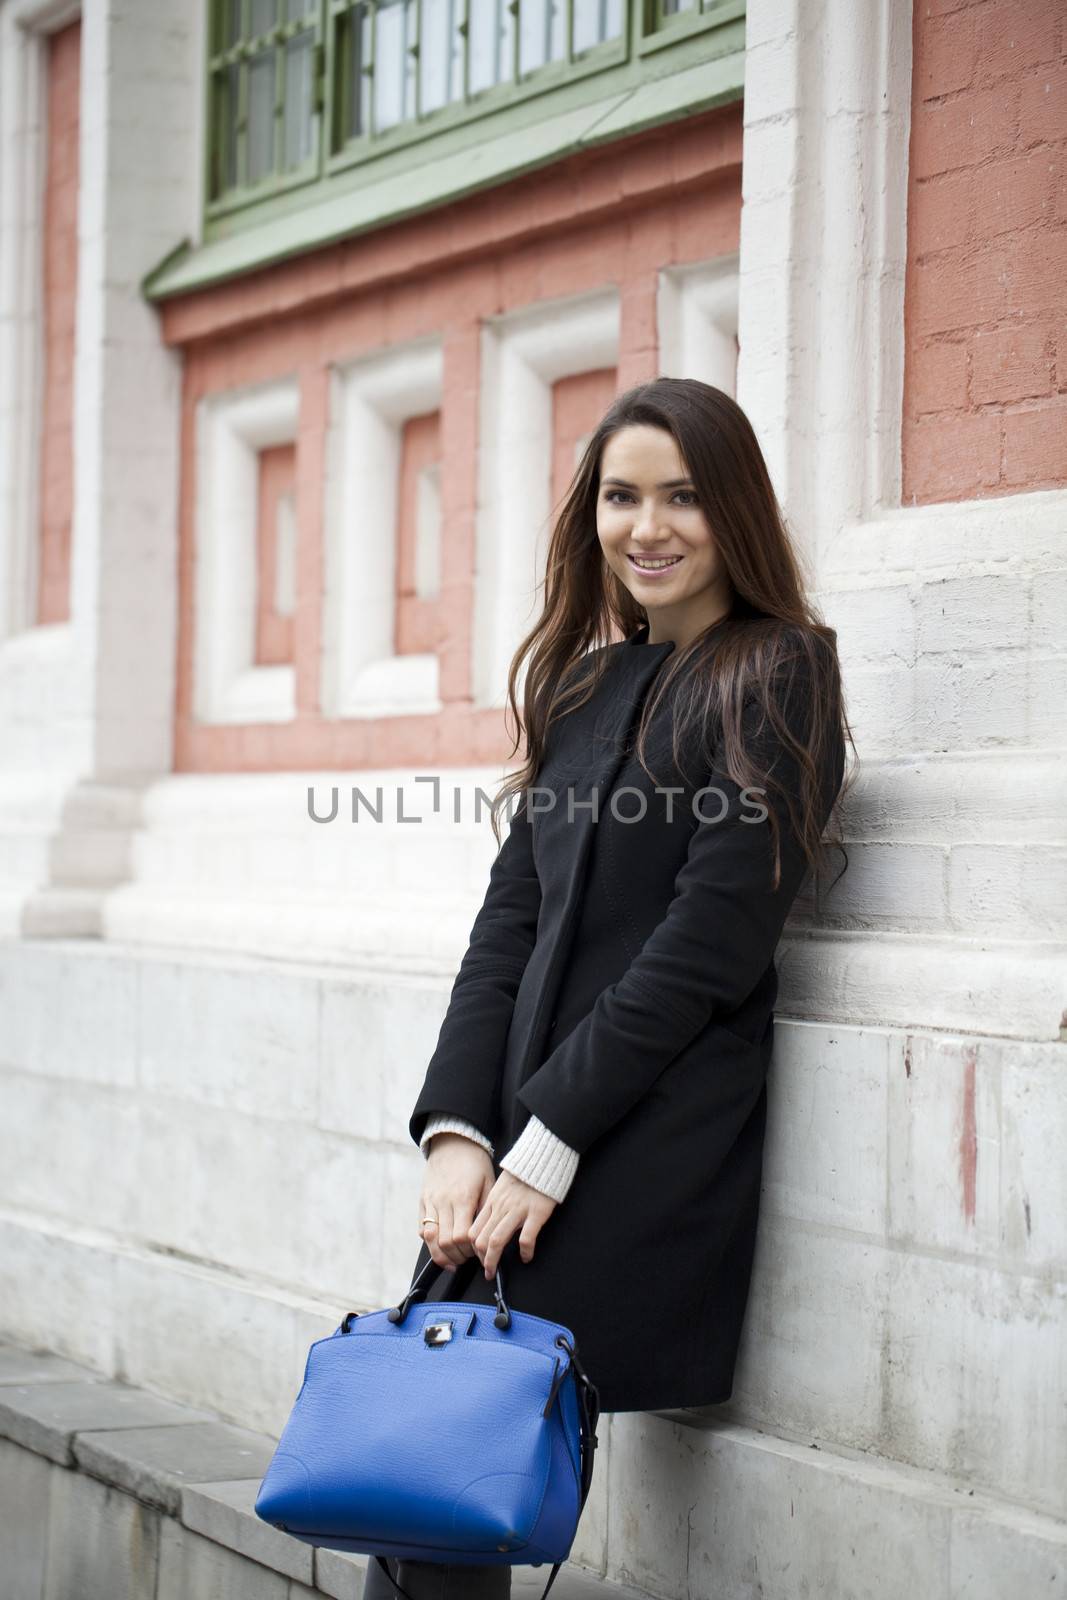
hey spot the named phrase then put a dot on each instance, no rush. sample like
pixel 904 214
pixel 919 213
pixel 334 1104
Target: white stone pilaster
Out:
pixel 825 181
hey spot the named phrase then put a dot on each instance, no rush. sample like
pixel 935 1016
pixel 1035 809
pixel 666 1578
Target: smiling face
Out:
pixel 655 537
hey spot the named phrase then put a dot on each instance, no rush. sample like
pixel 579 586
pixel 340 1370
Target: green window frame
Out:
pixel 671 20
pixel 264 74
pixel 296 91
pixel 473 99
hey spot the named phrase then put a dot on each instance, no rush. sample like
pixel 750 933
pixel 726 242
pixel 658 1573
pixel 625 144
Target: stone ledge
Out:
pixel 47 1418
pixel 152 1500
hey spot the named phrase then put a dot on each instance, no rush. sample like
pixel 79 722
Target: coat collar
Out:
pixel 641 638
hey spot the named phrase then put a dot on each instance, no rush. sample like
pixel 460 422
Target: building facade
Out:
pixel 306 310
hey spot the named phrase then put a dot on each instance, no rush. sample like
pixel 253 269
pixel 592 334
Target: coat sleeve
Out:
pixel 463 1077
pixel 706 955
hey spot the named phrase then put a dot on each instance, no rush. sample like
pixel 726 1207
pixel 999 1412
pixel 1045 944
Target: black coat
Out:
pixel 620 984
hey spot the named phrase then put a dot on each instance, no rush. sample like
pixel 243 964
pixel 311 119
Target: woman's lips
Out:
pixel 655 572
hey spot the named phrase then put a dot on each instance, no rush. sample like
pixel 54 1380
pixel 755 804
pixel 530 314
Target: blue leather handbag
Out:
pixel 441 1432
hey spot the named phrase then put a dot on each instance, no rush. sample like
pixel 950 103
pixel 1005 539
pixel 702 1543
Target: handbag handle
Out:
pixel 502 1319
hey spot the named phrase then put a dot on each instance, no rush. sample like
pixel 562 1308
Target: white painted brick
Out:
pixel 812 1360
pixel 1006 1551
pixel 937 690
pixel 441 856
pixel 772 74
pixel 1018 795
pixel 880 706
pixel 973 1359
pixel 53 1144
pixel 1048 612
pixel 972 986
pixel 364 870
pixel 377 1038
pixel 241 1039
pixel 893 885
pixel 154 1294
pixel 25 1503
pixel 1045 699
pixel 263 1196
pixel 771 1525
pixel 74 1017
pixel 825 1155
pixel 772 168
pixel 1033 1137
pixel 424 1004
pixel 98 856
pixel 57 1288
pixel 991 692
pixel 146 100
pixel 874 626
pixel 101 1542
pixel 976 613
pixel 768 25
pixel 190 1567
pixel 649 1539
pixel 1009 890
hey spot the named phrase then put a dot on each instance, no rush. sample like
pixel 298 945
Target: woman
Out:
pixel 610 1027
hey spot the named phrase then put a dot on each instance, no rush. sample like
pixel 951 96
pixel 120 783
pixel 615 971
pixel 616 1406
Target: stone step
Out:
pixel 183 1523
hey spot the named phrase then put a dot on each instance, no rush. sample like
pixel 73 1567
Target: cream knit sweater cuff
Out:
pixel 538 1157
pixel 442 1122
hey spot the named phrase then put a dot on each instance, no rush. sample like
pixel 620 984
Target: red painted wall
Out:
pixel 421 620
pixel 59 299
pixel 985 376
pixel 274 630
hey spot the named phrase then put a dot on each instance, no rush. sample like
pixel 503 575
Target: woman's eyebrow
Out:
pixel 671 483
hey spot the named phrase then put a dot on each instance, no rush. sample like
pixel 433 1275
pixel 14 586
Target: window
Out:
pixel 399 60
pixel 300 89
pixel 265 74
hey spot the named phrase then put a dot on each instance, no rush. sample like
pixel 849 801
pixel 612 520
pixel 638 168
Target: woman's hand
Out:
pixel 509 1206
pixel 459 1175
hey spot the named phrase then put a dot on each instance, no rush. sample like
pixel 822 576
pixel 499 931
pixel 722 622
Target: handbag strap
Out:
pixel 588 1416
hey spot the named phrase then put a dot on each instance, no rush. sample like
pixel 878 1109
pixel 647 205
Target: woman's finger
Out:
pixel 528 1238
pixel 499 1235
pixel 437 1238
pixel 429 1230
pixel 446 1234
pixel 462 1213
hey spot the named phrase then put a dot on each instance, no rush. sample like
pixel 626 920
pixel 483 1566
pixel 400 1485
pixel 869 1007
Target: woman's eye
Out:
pixel 611 494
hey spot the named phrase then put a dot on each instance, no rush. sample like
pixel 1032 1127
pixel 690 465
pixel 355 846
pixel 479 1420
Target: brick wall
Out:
pixel 985 380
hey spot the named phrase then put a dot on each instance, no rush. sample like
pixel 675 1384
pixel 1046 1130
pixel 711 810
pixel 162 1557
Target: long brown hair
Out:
pixel 772 634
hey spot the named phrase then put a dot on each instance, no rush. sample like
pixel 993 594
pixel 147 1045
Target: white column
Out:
pixel 139 197
pixel 91 699
pixel 827 116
